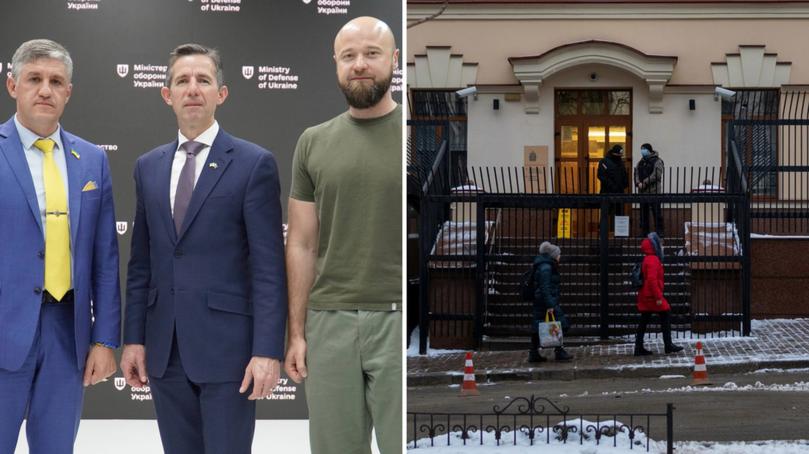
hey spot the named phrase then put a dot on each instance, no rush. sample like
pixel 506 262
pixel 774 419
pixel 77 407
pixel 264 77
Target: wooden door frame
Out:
pixel 582 122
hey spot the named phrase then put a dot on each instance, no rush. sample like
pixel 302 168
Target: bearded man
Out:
pixel 344 254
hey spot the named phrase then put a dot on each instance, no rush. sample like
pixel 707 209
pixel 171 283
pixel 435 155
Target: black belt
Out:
pixel 48 299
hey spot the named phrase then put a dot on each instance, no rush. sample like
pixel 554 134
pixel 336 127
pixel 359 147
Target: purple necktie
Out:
pixel 185 186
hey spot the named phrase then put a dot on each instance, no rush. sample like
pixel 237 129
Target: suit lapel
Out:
pixel 164 189
pixel 11 148
pixel 75 175
pixel 220 155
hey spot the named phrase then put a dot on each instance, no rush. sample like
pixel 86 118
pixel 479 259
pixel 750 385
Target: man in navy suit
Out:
pixel 206 293
pixel 60 303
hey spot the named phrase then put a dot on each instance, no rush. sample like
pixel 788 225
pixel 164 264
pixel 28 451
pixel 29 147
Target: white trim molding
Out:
pixel 440 68
pixel 655 70
pixel 638 11
pixel 751 67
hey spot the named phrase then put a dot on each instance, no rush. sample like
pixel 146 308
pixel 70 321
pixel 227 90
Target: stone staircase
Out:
pixel 507 321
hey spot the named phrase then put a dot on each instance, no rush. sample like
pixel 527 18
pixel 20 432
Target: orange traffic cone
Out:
pixel 700 376
pixel 469 387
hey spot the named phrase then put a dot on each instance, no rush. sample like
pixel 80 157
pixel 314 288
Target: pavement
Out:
pixel 782 343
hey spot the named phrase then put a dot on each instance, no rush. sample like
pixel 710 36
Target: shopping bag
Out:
pixel 550 331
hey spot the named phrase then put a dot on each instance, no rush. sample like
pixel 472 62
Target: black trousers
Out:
pixel 665 323
pixel 647 210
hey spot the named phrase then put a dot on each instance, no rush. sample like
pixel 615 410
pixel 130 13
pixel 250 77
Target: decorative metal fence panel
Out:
pixel 535 420
pixel 477 252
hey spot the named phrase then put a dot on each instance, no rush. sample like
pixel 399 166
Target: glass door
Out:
pixel 588 123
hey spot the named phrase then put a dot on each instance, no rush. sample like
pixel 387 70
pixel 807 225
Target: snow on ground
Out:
pixel 778 371
pixel 575 444
pixel 750 447
pixel 727 387
pixel 414 347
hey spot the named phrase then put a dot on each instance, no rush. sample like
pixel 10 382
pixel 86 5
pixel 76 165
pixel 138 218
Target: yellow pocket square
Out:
pixel 90 186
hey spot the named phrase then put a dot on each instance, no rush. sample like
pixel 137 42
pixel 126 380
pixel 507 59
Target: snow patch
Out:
pixel 413 350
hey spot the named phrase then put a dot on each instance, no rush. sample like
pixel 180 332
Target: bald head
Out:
pixel 368 29
pixel 366 57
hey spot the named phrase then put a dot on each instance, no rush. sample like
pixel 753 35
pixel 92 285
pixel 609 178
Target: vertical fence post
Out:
pixel 746 264
pixel 604 298
pixel 669 428
pixel 425 243
pixel 480 270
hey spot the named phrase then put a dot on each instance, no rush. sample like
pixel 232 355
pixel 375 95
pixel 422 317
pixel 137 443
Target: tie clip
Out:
pixel 56 213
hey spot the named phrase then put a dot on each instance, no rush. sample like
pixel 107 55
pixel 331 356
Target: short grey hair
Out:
pixel 184 50
pixel 36 49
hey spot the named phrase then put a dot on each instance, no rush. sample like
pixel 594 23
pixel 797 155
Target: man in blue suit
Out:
pixel 60 303
pixel 206 293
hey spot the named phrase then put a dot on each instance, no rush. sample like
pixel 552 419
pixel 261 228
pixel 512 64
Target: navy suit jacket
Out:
pixel 94 246
pixel 221 282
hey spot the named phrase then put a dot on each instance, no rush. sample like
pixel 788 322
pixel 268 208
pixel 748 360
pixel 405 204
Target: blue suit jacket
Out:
pixel 93 242
pixel 220 283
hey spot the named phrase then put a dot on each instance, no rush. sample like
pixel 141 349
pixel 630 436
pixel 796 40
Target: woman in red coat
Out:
pixel 651 300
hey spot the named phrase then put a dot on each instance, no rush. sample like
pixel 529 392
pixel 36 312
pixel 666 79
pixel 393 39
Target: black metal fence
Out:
pixel 768 143
pixel 475 252
pixel 539 420
pixel 481 226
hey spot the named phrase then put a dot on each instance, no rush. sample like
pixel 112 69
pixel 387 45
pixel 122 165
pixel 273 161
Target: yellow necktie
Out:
pixel 57 231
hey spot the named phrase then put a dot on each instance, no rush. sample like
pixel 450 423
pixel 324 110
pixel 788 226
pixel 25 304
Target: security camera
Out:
pixel 724 93
pixel 464 92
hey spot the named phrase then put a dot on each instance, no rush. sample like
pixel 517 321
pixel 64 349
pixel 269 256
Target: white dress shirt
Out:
pixel 207 138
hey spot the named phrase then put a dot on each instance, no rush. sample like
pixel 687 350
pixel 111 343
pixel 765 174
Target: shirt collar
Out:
pixel 28 137
pixel 207 137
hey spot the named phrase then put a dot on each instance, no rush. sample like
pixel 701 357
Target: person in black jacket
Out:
pixel 546 296
pixel 649 180
pixel 613 177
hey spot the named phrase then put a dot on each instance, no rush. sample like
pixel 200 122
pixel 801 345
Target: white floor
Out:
pixel 141 437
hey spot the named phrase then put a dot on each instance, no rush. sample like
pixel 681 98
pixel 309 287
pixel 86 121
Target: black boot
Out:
pixel 561 354
pixel 535 357
pixel 669 345
pixel 639 349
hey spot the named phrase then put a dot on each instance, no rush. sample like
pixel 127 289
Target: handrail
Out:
pixel 434 169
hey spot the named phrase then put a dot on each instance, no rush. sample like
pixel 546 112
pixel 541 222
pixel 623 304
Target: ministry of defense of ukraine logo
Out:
pixel 123 70
pixel 248 71
pixel 121 227
pixel 120 383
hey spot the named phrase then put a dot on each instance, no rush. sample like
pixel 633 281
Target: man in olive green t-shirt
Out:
pixel 344 254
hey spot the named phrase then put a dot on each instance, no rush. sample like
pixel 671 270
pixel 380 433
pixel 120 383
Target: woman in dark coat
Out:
pixel 546 296
pixel 651 299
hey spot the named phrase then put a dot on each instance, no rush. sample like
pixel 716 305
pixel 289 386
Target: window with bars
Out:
pixel 758 144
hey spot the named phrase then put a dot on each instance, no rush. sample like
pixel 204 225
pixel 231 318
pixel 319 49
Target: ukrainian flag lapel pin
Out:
pixel 75 155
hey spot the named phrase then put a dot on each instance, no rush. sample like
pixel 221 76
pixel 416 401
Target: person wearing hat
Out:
pixel 546 296
pixel 649 180
pixel 613 177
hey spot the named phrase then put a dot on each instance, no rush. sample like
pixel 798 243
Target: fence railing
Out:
pixel 538 420
pixel 476 253
pixel 774 158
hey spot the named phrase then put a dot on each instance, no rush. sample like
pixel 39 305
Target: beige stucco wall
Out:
pixel 684 137
pixel 696 43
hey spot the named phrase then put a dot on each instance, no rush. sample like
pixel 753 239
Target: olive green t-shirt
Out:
pixel 352 170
